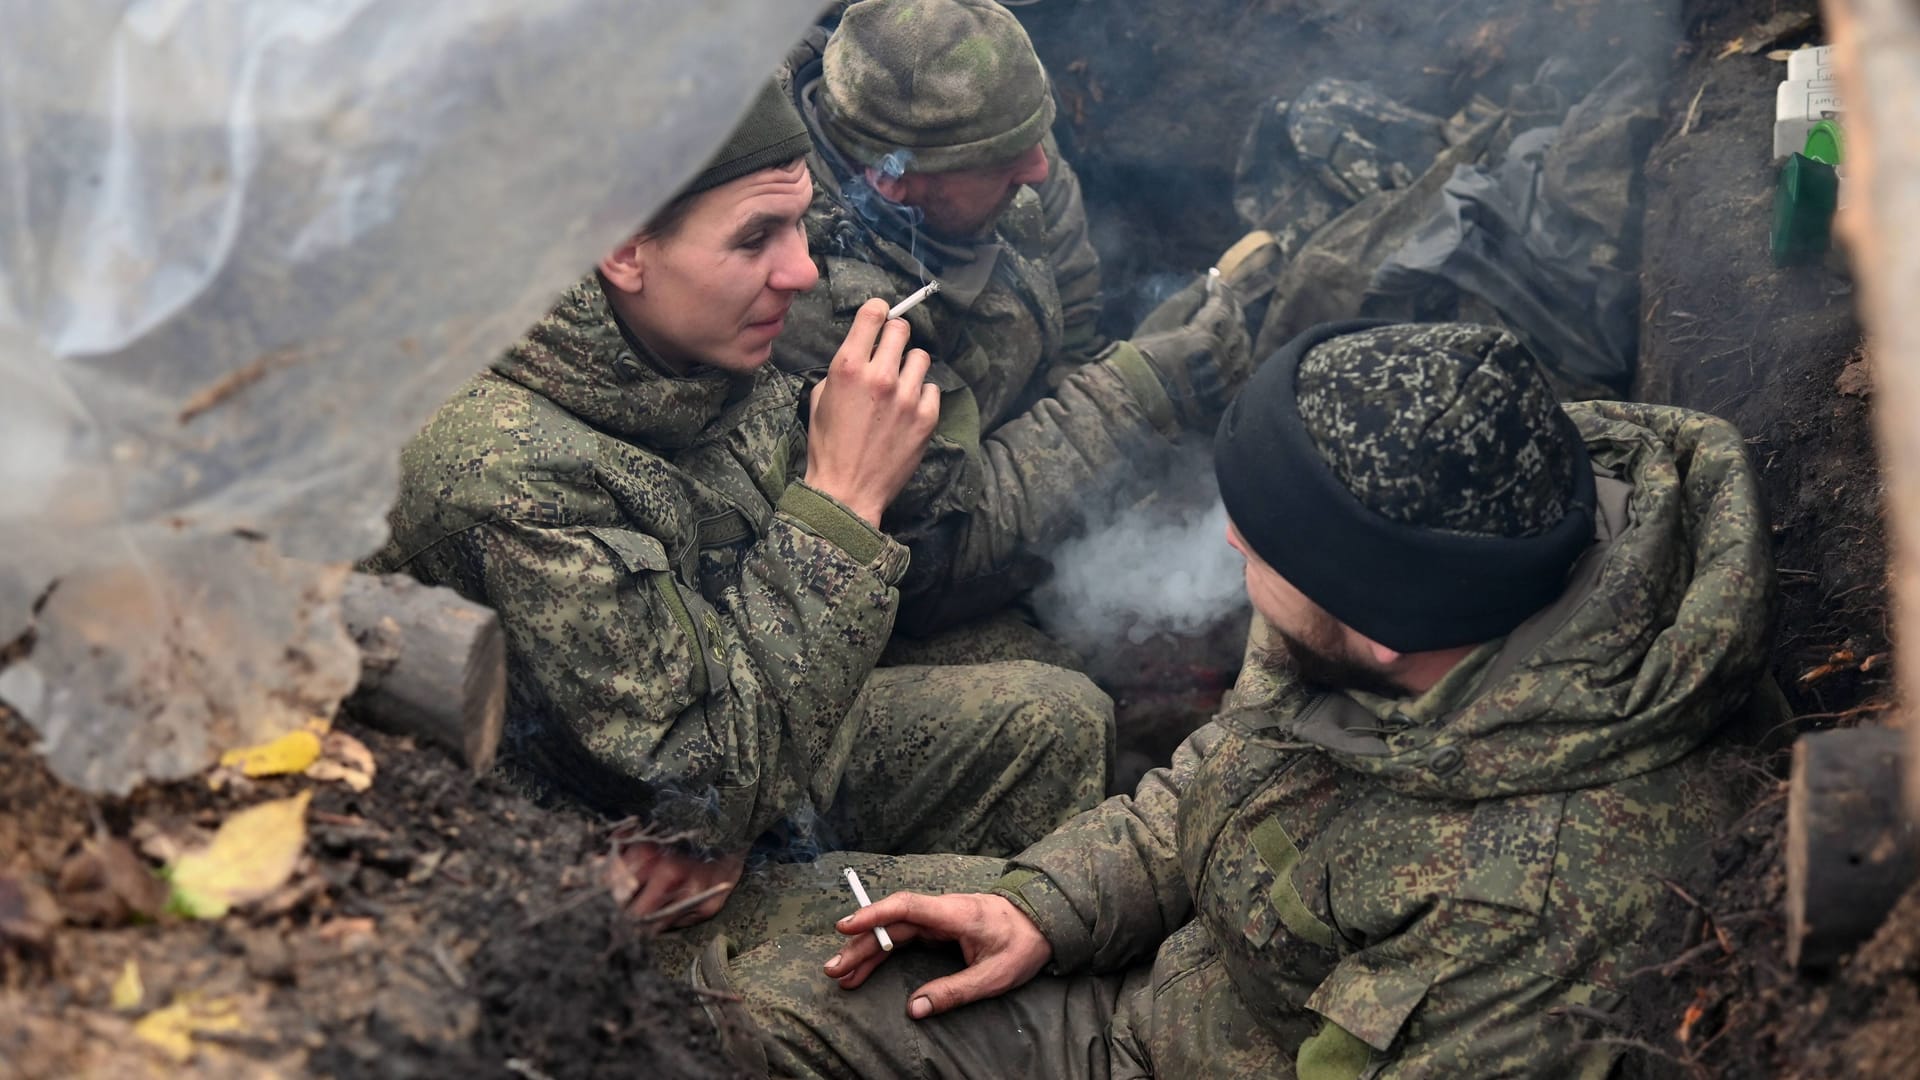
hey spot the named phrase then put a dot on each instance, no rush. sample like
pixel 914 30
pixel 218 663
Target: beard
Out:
pixel 1320 666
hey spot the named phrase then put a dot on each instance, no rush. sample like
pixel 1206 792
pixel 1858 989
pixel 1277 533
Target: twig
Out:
pixel 717 995
pixel 681 907
pixel 561 908
pixel 1693 110
pixel 447 966
pixel 1668 969
pixel 1847 714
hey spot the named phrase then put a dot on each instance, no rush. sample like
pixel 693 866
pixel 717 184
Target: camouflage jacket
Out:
pixel 1417 887
pixel 686 622
pixel 1027 423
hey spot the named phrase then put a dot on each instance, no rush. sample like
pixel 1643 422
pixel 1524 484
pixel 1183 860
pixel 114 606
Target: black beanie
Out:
pixel 1419 482
pixel 771 134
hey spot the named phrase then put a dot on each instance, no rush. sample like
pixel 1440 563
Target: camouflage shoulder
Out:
pixel 498 450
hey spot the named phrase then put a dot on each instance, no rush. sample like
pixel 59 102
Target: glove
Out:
pixel 1197 343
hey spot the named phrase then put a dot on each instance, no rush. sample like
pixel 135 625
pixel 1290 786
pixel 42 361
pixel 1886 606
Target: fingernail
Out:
pixel 920 1008
pixel 833 963
pixel 845 919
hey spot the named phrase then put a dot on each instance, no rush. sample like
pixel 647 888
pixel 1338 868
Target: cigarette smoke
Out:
pixel 1157 566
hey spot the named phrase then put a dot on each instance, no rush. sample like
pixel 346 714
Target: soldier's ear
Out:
pixel 625 267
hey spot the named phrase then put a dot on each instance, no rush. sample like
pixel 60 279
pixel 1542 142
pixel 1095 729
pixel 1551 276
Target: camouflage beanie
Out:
pixel 1419 482
pixel 770 134
pixel 944 84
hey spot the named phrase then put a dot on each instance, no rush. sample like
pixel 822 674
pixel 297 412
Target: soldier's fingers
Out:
pixel 867 322
pixel 991 976
pixel 893 342
pixel 913 373
pixel 929 406
pixel 941 915
pixel 659 888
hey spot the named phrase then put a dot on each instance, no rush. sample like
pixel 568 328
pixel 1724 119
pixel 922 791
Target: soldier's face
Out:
pixel 1326 652
pixel 966 203
pixel 716 289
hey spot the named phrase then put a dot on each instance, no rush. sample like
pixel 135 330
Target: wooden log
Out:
pixel 1850 849
pixel 433 664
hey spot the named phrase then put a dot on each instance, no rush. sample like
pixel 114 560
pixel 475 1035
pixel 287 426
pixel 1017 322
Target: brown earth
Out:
pixel 1779 352
pixel 443 926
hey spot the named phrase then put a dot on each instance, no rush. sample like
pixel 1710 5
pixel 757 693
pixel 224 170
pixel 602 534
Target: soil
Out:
pixel 441 926
pixel 1779 352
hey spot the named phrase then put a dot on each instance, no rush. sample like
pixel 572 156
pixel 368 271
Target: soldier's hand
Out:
pixel 1197 343
pixel 1002 947
pixel 871 415
pixel 666 877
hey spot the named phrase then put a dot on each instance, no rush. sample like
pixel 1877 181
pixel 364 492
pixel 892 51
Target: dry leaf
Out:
pixel 252 855
pixel 128 990
pixel 346 759
pixel 290 753
pixel 1856 379
pixel 28 914
pixel 173 1028
pixel 106 883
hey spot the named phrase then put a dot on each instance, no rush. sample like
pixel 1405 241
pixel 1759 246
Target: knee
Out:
pixel 1060 707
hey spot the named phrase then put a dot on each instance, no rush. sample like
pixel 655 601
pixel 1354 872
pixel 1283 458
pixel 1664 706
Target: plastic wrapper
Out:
pixel 246 249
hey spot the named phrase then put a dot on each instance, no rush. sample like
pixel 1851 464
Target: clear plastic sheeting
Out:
pixel 245 250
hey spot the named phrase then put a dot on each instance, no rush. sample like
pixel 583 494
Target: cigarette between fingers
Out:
pixel 919 297
pixel 860 894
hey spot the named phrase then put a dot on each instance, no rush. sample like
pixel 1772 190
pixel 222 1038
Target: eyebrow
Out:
pixel 757 223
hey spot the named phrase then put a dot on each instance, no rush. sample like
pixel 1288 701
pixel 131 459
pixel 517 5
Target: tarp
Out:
pixel 245 250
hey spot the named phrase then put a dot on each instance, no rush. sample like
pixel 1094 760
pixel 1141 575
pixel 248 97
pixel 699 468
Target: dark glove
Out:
pixel 1197 343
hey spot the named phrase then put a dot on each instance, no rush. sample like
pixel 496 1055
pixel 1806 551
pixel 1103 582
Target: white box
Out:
pixel 1810 65
pixel 1799 105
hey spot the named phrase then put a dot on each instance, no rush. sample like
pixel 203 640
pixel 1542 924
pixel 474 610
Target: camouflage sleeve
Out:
pixel 1107 887
pixel 1076 266
pixel 980 512
pixel 709 721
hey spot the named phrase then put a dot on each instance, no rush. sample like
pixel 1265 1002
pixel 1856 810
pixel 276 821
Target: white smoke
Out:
pixel 1159 566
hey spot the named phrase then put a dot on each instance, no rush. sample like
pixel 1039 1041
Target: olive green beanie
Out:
pixel 944 84
pixel 771 134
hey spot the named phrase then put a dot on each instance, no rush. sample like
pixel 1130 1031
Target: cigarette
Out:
pixel 853 879
pixel 1213 271
pixel 914 301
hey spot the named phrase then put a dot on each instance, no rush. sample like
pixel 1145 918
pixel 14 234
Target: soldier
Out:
pixel 932 161
pixel 1427 834
pixel 693 614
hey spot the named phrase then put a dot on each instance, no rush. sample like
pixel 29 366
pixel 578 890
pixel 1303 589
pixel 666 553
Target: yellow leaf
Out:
pixel 172 1029
pixel 128 990
pixel 253 854
pixel 290 753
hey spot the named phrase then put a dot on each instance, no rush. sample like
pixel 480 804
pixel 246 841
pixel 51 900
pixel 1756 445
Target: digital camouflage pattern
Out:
pixel 1334 886
pixel 1029 422
pixel 937 85
pixel 1442 425
pixel 691 629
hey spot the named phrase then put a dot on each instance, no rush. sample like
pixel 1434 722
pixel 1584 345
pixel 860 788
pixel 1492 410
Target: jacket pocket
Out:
pixel 645 558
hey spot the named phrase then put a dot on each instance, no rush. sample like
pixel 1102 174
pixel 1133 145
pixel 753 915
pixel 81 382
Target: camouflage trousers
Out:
pixel 791 1020
pixel 983 759
pixel 1002 635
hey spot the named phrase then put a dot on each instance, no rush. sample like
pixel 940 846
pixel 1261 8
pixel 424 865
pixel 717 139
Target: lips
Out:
pixel 778 321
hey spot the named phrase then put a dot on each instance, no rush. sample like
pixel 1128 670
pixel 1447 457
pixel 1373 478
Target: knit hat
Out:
pixel 939 84
pixel 771 134
pixel 1419 482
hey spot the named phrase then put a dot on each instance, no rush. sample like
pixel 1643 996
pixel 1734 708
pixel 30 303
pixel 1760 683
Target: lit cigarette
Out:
pixel 914 301
pixel 853 879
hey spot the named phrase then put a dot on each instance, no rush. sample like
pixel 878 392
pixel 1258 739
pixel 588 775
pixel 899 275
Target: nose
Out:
pixel 1032 167
pixel 793 269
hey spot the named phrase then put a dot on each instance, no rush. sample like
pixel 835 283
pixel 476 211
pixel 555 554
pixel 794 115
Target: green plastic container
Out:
pixel 1803 207
pixel 1827 144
